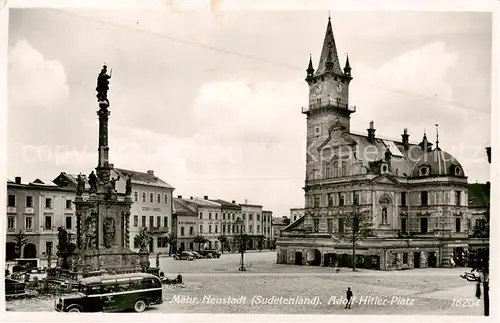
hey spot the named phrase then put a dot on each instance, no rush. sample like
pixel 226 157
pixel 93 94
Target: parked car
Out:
pixel 197 255
pixel 114 293
pixel 184 255
pixel 14 288
pixel 210 253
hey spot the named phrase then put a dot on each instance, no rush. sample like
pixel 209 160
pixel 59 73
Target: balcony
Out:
pixel 157 230
pixel 329 105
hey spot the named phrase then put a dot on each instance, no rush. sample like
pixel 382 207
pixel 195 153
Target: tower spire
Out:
pixel 347 68
pixel 310 68
pixel 437 136
pixel 329 49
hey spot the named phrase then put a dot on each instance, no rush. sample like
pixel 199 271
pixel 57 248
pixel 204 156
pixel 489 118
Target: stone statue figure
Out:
pixel 128 185
pixel 109 232
pixel 103 84
pixel 112 181
pixel 80 185
pixel 93 182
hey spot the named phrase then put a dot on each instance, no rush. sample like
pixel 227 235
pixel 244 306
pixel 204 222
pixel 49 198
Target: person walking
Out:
pixel 349 296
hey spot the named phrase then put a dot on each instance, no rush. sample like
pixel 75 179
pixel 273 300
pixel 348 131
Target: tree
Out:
pixel 172 241
pixel 199 239
pixel 357 226
pixel 223 240
pixel 142 240
pixel 260 241
pixel 20 239
pixel 479 262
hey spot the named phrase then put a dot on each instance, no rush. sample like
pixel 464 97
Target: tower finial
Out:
pixel 437 136
pixel 329 18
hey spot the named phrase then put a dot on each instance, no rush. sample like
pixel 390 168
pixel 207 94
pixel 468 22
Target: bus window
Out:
pixel 106 289
pixel 123 287
pixel 136 285
pixel 94 290
pixel 150 283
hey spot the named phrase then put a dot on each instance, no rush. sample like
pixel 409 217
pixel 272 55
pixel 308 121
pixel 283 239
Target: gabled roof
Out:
pixel 279 222
pixel 43 182
pixel 227 204
pixel 141 178
pixel 294 223
pixel 198 202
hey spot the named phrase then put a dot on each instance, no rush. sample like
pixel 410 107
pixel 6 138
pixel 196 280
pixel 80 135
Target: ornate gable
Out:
pixel 296 225
pixel 386 179
pixel 337 136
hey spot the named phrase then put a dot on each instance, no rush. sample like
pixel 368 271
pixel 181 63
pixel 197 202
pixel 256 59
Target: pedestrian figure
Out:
pixel 452 263
pixel 349 296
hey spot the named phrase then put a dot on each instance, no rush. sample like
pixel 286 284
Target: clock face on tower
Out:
pixel 339 88
pixel 318 89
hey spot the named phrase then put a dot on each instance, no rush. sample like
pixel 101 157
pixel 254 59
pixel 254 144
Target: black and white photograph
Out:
pixel 170 160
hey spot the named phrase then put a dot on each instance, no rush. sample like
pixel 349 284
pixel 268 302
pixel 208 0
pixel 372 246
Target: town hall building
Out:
pixel 415 194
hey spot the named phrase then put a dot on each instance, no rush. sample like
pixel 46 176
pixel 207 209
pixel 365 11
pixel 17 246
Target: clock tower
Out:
pixel 328 97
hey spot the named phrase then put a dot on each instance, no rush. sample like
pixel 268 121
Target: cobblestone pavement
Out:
pixel 266 288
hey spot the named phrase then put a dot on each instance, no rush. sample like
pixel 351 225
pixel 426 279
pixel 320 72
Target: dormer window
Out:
pixel 384 169
pixel 424 171
pixel 457 170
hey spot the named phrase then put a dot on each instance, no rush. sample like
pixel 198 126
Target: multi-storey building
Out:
pixel 414 196
pixel 209 219
pixel 251 215
pixel 267 231
pixel 185 225
pixel 296 213
pixel 152 207
pixel 37 209
pixel 231 213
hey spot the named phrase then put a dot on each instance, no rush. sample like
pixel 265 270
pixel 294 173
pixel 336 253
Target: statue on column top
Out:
pixel 103 85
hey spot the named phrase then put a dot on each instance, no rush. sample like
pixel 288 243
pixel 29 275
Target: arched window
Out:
pixel 336 169
pixel 384 215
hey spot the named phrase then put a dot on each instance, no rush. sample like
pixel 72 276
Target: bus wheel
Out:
pixel 74 310
pixel 139 306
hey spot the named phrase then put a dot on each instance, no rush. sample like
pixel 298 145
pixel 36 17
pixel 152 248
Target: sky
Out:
pixel 212 101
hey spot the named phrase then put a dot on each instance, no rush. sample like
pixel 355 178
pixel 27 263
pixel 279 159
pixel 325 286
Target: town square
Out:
pixel 238 183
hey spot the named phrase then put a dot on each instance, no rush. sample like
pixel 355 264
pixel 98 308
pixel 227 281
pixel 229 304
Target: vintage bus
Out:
pixel 114 293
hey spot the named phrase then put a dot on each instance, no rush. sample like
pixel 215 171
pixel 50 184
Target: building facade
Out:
pixel 414 196
pixel 278 224
pixel 231 227
pixel 185 225
pixel 267 228
pixel 251 214
pixel 209 220
pixel 36 209
pixel 296 213
pixel 151 209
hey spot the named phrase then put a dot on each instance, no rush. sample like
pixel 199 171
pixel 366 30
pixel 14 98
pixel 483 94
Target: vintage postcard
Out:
pixel 216 157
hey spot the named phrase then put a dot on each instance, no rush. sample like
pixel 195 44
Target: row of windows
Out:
pixel 28 223
pixel 12 202
pixel 151 221
pixel 151 198
pixel 424 225
pixel 342 198
pixel 231 216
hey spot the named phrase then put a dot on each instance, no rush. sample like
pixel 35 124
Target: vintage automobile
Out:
pixel 210 253
pixel 197 255
pixel 114 293
pixel 184 255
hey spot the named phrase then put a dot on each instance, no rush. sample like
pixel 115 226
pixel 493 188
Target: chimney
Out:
pixel 405 138
pixel 371 133
pixel 205 197
pixel 234 202
pixel 151 172
pixel 18 180
pixel 190 197
pixel 179 196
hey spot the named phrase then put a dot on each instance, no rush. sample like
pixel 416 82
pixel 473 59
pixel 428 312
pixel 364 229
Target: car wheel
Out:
pixel 75 309
pixel 139 306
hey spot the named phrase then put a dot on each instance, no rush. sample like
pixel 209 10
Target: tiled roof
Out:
pixel 227 204
pixel 279 221
pixel 402 164
pixel 181 208
pixel 142 178
pixel 199 202
pixel 479 195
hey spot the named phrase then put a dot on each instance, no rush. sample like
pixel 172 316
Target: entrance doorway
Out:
pixel 416 260
pixel 151 245
pixel 432 260
pixel 298 258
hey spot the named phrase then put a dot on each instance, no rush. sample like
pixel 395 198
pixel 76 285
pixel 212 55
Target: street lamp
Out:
pixel 242 244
